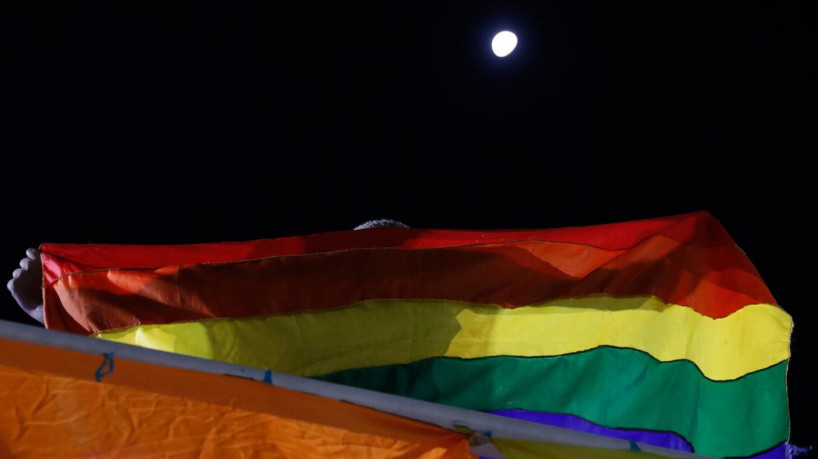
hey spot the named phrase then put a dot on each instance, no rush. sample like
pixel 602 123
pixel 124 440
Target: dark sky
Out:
pixel 229 123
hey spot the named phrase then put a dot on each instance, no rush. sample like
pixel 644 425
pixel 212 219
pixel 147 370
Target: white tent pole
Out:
pixel 433 413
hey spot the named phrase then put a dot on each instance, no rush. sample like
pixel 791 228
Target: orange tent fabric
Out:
pixel 51 405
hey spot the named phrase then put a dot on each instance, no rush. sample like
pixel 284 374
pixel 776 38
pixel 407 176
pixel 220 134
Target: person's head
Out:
pixel 381 223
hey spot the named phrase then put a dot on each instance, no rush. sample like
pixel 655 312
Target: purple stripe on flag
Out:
pixel 663 439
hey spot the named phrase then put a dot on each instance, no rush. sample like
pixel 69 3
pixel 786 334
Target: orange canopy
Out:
pixel 52 406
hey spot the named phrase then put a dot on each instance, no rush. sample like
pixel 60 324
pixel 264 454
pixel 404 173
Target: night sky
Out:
pixel 220 123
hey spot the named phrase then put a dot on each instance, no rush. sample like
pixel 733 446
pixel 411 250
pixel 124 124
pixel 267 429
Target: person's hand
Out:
pixel 26 284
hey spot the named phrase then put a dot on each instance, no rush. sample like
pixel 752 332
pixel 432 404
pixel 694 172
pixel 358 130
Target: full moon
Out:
pixel 504 43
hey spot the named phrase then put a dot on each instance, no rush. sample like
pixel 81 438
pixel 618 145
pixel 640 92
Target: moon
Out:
pixel 504 43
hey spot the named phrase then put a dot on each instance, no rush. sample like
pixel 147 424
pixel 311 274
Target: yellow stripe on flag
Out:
pixel 387 332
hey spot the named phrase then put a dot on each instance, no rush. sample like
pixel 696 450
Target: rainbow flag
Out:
pixel 657 331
